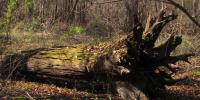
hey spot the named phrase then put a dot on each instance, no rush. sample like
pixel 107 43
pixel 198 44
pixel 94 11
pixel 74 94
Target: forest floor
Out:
pixel 187 89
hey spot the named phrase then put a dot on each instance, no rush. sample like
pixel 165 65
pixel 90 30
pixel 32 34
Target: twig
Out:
pixel 29 96
pixel 113 1
pixel 15 67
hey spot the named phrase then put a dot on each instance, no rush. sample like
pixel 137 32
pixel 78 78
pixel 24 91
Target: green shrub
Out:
pixel 12 4
pixel 198 72
pixel 2 24
pixel 34 25
pixel 73 30
pixel 29 5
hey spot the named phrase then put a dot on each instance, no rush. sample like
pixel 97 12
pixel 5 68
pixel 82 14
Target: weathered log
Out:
pixel 76 60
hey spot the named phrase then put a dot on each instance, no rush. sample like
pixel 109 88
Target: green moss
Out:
pixel 80 57
pixel 66 56
pixel 28 85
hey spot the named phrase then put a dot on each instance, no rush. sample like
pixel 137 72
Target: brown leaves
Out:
pixel 19 88
pixel 184 90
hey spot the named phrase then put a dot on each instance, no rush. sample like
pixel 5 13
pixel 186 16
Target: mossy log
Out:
pixel 133 60
pixel 76 60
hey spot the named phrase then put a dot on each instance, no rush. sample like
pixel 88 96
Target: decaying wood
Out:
pixel 76 60
pixel 130 92
pixel 132 60
pixel 155 29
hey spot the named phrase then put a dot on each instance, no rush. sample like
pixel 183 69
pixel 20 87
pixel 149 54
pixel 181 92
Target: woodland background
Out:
pixel 30 24
pixel 60 22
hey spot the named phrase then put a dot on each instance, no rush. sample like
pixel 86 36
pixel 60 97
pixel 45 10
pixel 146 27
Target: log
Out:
pixel 76 60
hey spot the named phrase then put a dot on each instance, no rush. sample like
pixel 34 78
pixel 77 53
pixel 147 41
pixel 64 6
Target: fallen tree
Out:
pixel 137 67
